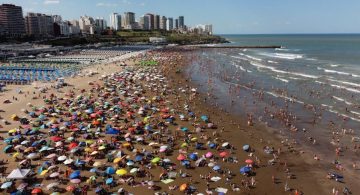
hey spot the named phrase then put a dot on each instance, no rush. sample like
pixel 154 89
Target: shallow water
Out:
pixel 313 77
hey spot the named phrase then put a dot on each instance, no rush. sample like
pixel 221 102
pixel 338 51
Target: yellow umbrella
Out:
pixel 97 164
pixel 89 141
pixel 127 144
pixel 183 145
pixel 194 139
pixel 121 172
pixel 12 131
pixel 88 149
pixel 102 148
pixel 16 154
pixel 183 187
pixel 116 160
pixel 44 172
pixel 14 117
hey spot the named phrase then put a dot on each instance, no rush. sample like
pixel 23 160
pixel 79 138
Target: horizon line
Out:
pixel 357 33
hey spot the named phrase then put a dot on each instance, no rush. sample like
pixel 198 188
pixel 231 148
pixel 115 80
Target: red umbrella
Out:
pixel 56 138
pixel 181 157
pixel 70 188
pixel 72 145
pixel 249 161
pixel 36 191
pixel 223 154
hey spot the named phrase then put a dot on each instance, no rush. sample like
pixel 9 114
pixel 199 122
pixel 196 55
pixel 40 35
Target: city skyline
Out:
pixel 241 17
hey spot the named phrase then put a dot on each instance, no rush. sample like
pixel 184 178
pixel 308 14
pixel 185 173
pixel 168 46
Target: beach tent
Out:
pixel 245 170
pixel 19 174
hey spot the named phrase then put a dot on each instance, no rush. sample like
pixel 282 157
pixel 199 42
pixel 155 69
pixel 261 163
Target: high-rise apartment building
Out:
pixel 38 24
pixel 176 23
pixel 170 22
pixel 163 21
pixel 115 21
pixel 129 20
pixel 150 18
pixel 181 22
pixel 11 20
pixel 156 22
pixel 87 24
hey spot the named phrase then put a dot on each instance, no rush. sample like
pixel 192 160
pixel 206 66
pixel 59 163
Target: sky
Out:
pixel 227 16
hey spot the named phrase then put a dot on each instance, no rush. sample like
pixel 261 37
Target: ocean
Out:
pixel 311 83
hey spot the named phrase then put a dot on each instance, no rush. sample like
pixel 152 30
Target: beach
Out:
pixel 276 164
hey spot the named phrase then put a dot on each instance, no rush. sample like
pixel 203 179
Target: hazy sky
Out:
pixel 227 16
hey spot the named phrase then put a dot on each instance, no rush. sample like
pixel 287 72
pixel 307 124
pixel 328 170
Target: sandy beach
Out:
pixel 286 165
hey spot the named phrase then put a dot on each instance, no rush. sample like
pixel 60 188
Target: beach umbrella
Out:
pixel 53 155
pixel 121 172
pixel 44 172
pixel 68 161
pixel 110 170
pixel 208 154
pixel 181 157
pixel 15 154
pixel 225 144
pixel 134 170
pixel 24 142
pixel 156 160
pixel 55 174
pixel 245 170
pixel 109 181
pixel 70 188
pixel 130 163
pixel 98 190
pixel 184 129
pixel 75 181
pixel 93 170
pixel 118 159
pixel 56 138
pixel 52 185
pixel 183 187
pixel 36 191
pixel 193 156
pixel 55 193
pixel 6 185
pixel 211 164
pixel 249 161
pixel 246 148
pixel 31 156
pixel 223 154
pixel 8 148
pixel 216 168
pixel 204 118
pixel 74 174
pixel 97 164
pixel 185 162
pixel 61 158
pixel 138 158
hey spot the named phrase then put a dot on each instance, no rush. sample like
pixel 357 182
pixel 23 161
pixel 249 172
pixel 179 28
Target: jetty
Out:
pixel 239 47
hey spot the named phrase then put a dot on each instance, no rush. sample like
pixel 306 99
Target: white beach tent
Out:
pixel 19 174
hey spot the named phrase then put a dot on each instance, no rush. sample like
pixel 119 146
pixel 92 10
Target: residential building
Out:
pixel 157 22
pixel 170 22
pixel 181 22
pixel 150 18
pixel 86 24
pixel 74 27
pixel 100 24
pixel 38 24
pixel 176 23
pixel 209 29
pixel 129 20
pixel 57 18
pixel 163 21
pixel 115 21
pixel 11 20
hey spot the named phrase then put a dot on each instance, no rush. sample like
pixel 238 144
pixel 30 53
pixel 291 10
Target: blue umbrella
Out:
pixel 184 129
pixel 193 156
pixel 245 169
pixel 6 185
pixel 216 168
pixel 109 181
pixel 138 158
pixel 75 174
pixel 98 189
pixel 212 145
pixel 93 170
pixel 130 163
pixel 110 170
pixel 8 148
pixel 246 147
pixel 185 162
pixel 204 118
